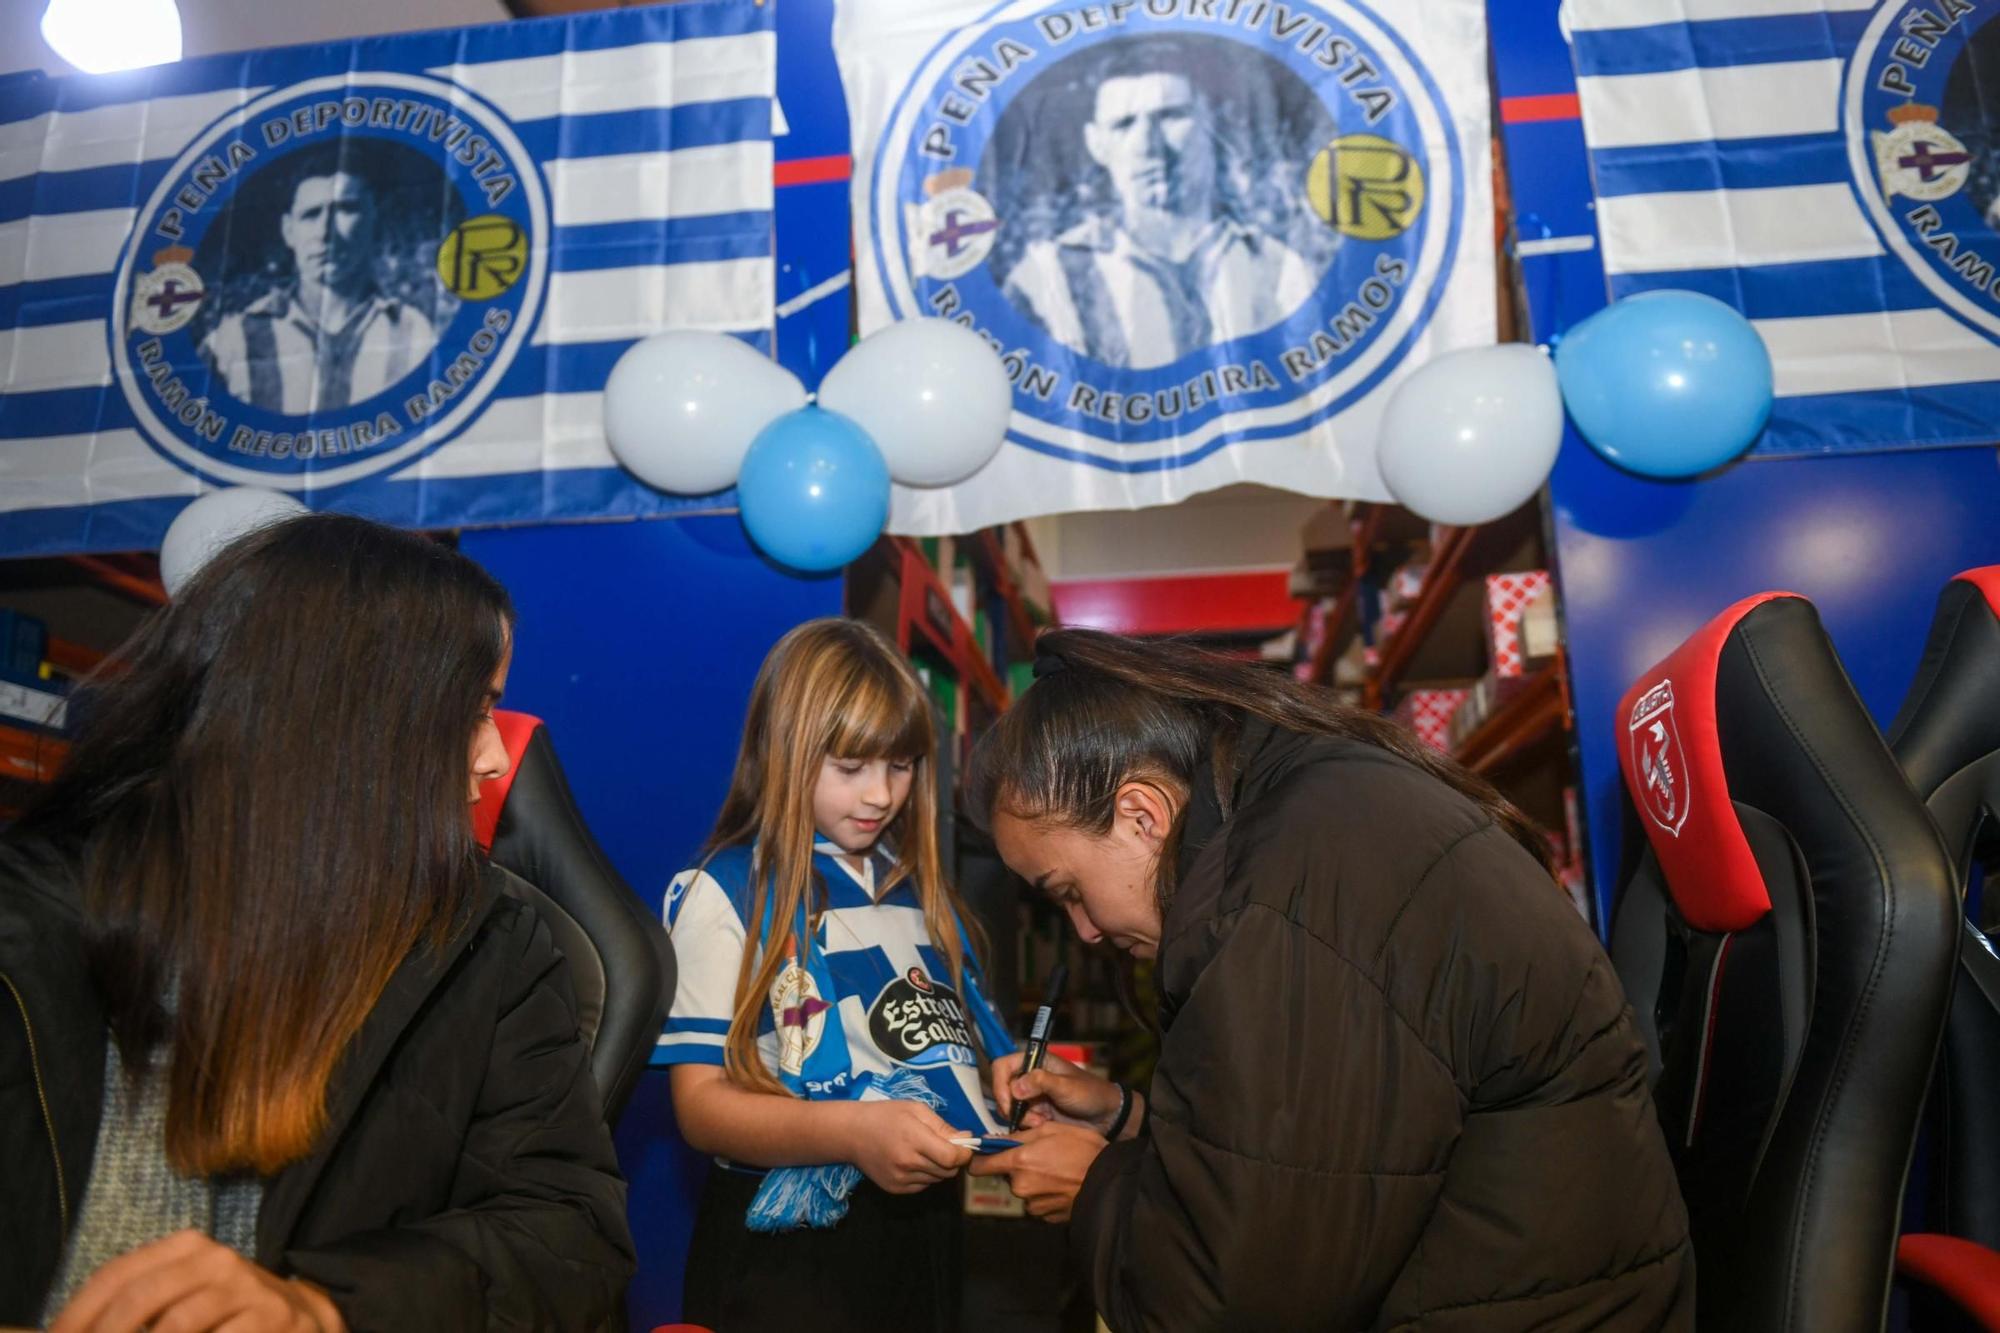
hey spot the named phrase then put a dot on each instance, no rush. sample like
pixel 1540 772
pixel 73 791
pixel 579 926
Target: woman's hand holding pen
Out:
pixel 1061 1093
pixel 1069 1111
pixel 1047 1170
pixel 902 1146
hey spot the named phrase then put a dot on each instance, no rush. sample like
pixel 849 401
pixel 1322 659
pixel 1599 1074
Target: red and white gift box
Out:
pixel 1520 620
pixel 1428 714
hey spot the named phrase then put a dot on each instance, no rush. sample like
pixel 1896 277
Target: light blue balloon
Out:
pixel 1666 384
pixel 814 490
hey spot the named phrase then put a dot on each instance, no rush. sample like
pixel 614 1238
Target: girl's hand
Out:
pixel 904 1146
pixel 1058 1092
pixel 187 1283
pixel 1047 1170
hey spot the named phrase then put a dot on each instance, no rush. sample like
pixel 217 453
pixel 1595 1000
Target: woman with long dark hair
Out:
pixel 277 1048
pixel 1399 1085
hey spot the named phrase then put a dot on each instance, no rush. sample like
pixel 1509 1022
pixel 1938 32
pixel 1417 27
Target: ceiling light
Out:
pixel 101 36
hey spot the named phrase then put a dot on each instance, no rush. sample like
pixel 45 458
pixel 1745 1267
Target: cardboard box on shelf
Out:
pixel 1329 528
pixel 1404 585
pixel 35 706
pixel 1314 633
pixel 1520 621
pixel 1350 669
pixel 1488 694
pixel 1320 574
pixel 964 591
pixel 1428 714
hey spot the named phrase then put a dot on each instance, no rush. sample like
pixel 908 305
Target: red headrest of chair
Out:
pixel 515 731
pixel 1672 759
pixel 1987 579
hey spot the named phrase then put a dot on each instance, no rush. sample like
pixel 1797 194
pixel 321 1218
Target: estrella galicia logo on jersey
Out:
pixel 1176 220
pixel 1922 120
pixel 919 1020
pixel 1658 759
pixel 330 281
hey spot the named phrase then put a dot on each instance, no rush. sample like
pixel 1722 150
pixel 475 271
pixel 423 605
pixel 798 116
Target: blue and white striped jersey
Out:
pixel 875 998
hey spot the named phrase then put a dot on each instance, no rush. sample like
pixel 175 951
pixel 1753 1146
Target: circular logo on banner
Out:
pixel 1922 120
pixel 330 281
pixel 1183 224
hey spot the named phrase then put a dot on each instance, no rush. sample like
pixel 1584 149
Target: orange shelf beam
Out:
pixel 1440 582
pixel 1537 711
pixel 920 585
pixel 1361 548
pixel 30 756
pixel 1018 618
pixel 73 658
pixel 145 590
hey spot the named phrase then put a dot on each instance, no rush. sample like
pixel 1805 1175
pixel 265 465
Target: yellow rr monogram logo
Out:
pixel 483 257
pixel 1366 187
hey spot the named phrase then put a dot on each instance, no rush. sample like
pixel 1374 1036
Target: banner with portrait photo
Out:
pixel 1208 237
pixel 1831 168
pixel 389 276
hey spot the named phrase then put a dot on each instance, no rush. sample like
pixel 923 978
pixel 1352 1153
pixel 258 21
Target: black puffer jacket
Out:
pixel 1399 1086
pixel 466 1181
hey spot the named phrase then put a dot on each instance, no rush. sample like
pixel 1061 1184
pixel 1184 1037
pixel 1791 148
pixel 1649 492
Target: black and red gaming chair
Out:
pixel 1947 736
pixel 1787 943
pixel 621 962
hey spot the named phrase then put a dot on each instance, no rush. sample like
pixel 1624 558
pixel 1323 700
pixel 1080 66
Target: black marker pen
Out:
pixel 1038 1037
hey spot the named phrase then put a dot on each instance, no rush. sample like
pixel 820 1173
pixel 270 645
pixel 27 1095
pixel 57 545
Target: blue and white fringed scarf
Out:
pixel 816 1196
pixel 793 1197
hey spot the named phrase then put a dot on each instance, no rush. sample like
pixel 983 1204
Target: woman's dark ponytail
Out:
pixel 1106 709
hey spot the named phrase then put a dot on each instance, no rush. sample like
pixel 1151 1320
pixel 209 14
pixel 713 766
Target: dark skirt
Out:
pixel 895 1262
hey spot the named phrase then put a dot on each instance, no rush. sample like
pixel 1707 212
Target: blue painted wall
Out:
pixel 637 644
pixel 638 641
pixel 1643 564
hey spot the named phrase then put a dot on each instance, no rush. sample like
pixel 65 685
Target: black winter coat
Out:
pixel 466 1180
pixel 1399 1085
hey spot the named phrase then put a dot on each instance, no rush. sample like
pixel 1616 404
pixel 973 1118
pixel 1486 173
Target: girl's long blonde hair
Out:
pixel 830 688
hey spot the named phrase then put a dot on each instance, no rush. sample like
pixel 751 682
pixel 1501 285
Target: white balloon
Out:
pixel 1472 434
pixel 212 522
pixel 931 393
pixel 681 408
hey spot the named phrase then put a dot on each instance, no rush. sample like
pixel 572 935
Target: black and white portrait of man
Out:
pixel 323 330
pixel 1184 226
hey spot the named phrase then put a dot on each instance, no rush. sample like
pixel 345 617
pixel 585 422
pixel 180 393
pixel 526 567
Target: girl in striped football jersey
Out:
pixel 831 1029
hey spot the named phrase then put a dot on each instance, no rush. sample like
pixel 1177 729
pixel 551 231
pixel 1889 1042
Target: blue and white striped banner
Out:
pixel 1832 170
pixel 1209 238
pixel 483 218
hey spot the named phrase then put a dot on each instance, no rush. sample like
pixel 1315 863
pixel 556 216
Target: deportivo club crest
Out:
pixel 330 281
pixel 798 1011
pixel 1177 222
pixel 1918 101
pixel 1917 159
pixel 166 298
pixel 1658 760
pixel 956 227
